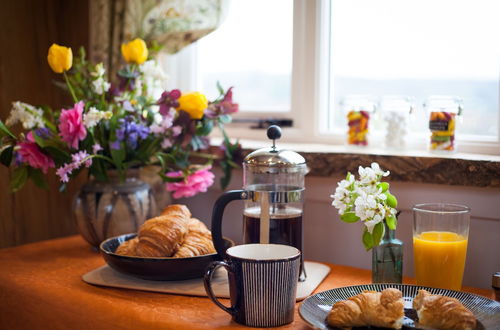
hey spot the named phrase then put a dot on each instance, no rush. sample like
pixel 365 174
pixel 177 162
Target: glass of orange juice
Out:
pixel 440 234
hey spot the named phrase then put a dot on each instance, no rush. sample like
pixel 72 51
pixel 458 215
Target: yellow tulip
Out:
pixel 60 58
pixel 135 51
pixel 194 104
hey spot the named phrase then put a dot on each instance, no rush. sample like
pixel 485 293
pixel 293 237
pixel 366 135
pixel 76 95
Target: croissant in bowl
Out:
pixel 172 234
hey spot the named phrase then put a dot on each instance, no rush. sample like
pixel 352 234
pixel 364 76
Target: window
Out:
pixel 251 50
pixel 419 48
pixel 344 47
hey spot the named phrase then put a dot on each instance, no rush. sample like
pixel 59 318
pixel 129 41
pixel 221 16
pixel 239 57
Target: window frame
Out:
pixel 312 92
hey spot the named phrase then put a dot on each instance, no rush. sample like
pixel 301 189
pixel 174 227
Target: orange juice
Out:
pixel 440 259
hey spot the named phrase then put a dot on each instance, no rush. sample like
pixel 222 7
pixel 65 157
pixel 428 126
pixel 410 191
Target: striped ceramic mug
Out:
pixel 262 283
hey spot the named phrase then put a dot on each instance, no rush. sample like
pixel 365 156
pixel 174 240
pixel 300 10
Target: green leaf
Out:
pixel 219 88
pixel 38 178
pixel 349 217
pixel 98 169
pixel 6 131
pixel 384 186
pixel 391 200
pixel 378 233
pixel 367 240
pixel 225 119
pixel 6 156
pixel 169 179
pixel 19 178
pixel 204 128
pixel 118 156
pixel 392 222
pixel 59 156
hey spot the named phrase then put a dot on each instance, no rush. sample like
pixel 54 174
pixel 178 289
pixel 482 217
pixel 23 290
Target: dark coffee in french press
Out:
pixel 273 182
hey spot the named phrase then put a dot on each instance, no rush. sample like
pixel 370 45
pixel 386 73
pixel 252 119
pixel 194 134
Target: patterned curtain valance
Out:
pixel 174 24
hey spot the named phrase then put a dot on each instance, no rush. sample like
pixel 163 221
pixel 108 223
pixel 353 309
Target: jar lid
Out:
pixel 274 159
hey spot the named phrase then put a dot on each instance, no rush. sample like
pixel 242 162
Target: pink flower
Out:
pixel 31 153
pixel 71 125
pixel 196 182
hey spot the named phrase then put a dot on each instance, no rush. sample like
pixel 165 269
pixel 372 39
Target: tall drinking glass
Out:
pixel 440 234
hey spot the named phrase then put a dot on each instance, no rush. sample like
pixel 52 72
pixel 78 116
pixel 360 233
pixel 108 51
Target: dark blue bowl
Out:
pixel 156 269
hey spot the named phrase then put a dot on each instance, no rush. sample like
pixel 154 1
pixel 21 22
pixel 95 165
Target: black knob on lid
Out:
pixel 274 133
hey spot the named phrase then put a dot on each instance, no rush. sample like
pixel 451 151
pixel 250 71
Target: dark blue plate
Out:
pixel 157 269
pixel 315 309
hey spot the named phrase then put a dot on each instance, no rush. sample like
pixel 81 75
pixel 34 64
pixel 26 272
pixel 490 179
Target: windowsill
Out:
pixel 459 169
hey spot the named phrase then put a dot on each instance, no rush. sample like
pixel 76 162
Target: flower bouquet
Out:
pixel 367 200
pixel 117 126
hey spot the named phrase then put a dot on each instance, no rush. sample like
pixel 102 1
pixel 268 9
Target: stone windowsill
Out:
pixel 406 166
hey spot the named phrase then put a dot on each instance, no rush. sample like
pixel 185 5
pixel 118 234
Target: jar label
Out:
pixel 438 125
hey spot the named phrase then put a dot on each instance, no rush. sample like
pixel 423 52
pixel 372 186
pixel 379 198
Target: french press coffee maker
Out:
pixel 273 191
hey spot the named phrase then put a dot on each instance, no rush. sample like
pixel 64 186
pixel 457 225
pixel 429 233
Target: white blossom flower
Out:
pixel 100 86
pixel 28 115
pixel 376 169
pixel 342 195
pixel 94 116
pixel 99 71
pixel 369 209
pixel 154 79
pixel 364 197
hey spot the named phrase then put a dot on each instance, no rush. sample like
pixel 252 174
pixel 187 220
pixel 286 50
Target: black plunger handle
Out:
pixel 217 213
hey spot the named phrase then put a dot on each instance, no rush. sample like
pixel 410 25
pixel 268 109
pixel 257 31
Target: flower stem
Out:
pixel 70 87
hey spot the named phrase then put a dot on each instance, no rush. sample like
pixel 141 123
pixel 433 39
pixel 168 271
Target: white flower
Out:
pixel 342 195
pixel 100 86
pixel 376 169
pixel 369 209
pixel 94 116
pixel 153 77
pixel 27 114
pixel 99 71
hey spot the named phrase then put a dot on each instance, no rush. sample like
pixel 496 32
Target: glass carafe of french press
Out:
pixel 273 191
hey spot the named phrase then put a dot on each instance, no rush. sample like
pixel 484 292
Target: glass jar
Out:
pixel 387 259
pixel 358 109
pixel 395 112
pixel 443 114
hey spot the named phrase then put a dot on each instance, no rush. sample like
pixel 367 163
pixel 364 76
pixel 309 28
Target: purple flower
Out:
pixel 115 145
pixel 78 159
pixel 43 132
pixel 224 107
pixel 130 131
pixel 168 100
pixel 96 148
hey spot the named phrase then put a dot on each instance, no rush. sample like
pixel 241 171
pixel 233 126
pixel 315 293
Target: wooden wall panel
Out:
pixel 29 27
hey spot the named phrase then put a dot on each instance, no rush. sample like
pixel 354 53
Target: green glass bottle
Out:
pixel 387 259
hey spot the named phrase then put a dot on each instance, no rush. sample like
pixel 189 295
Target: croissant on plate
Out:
pixel 161 236
pixel 198 241
pixel 172 234
pixel 441 312
pixel 369 308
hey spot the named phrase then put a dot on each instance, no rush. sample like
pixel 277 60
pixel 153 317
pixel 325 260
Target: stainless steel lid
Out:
pixel 274 160
pixel 495 280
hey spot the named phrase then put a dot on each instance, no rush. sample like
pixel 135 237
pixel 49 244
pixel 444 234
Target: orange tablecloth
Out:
pixel 41 288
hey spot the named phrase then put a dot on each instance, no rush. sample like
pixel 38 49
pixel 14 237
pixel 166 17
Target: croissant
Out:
pixel 128 248
pixel 380 309
pixel 161 236
pixel 441 312
pixel 198 241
